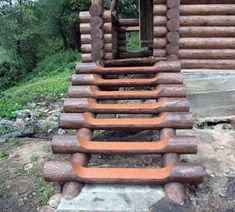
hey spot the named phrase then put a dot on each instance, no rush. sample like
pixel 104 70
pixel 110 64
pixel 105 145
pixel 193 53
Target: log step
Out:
pixel 160 91
pixel 161 78
pixel 165 120
pixel 79 144
pixel 67 172
pixel 81 105
pixel 163 66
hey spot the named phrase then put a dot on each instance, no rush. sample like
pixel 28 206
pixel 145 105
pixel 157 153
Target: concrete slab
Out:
pixel 211 93
pixel 109 197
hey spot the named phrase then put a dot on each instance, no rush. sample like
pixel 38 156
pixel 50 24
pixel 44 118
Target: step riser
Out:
pixel 164 66
pixel 71 144
pixel 92 92
pixel 73 172
pixel 89 105
pixel 90 79
pixel 171 120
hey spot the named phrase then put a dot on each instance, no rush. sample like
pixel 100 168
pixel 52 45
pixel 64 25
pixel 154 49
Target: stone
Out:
pixel 47 209
pixel 54 200
pixel 28 166
pixel 3 140
pixel 22 114
pixel 165 205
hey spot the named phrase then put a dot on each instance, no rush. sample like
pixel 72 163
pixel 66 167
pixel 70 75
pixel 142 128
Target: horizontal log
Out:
pixel 197 20
pixel 207 43
pixel 81 105
pixel 159 9
pixel 209 64
pixel 198 9
pixel 159 43
pixel 86 48
pixel 163 66
pixel 160 91
pixel 85 16
pixel 214 20
pixel 165 120
pixel 86 58
pixel 133 54
pixel 75 144
pixel 198 31
pixel 159 20
pixel 146 61
pixel 159 52
pixel 160 78
pixel 207 53
pixel 185 173
pixel 208 9
pixel 128 22
pixel 108 56
pixel 86 38
pixel 198 1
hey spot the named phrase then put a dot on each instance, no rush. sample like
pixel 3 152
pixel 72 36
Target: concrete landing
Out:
pixel 112 198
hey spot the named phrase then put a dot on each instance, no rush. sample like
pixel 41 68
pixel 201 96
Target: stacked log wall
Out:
pixel 207 32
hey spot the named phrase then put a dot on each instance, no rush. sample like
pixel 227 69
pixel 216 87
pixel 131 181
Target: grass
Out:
pixel 16 142
pixel 3 155
pixel 51 76
pixel 133 41
pixel 3 192
pixel 34 158
pixel 44 190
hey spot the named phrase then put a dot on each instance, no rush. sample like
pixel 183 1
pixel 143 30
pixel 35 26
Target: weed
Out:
pixel 44 190
pixel 205 126
pixel 16 142
pixel 3 155
pixel 34 158
pixel 3 192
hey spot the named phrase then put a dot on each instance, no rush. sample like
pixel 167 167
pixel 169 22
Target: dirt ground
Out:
pixel 22 182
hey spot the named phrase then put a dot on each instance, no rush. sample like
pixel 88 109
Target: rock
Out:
pixel 19 124
pixel 3 140
pixel 5 123
pixel 47 209
pixel 54 200
pixel 61 132
pixel 22 114
pixel 28 166
pixel 165 205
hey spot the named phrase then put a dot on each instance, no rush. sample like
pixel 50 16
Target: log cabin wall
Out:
pixel 207 33
pixel 107 47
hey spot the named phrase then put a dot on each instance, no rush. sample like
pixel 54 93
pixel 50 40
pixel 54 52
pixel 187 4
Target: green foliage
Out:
pixel 10 74
pixel 133 41
pixel 3 155
pixel 3 192
pixel 52 76
pixel 45 190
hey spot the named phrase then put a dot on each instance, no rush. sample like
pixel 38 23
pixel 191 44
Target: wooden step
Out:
pixel 160 91
pixel 79 144
pixel 73 172
pixel 161 78
pixel 163 66
pixel 165 120
pixel 81 105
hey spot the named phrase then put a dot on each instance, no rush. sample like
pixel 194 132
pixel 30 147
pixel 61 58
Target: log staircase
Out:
pixel 170 111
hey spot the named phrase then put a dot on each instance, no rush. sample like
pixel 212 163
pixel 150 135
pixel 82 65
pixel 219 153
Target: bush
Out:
pixel 10 74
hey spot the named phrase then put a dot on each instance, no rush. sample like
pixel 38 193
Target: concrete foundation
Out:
pixel 211 92
pixel 112 198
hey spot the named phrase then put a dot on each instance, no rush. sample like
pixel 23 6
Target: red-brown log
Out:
pixel 173 24
pixel 173 37
pixel 173 13
pixel 159 20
